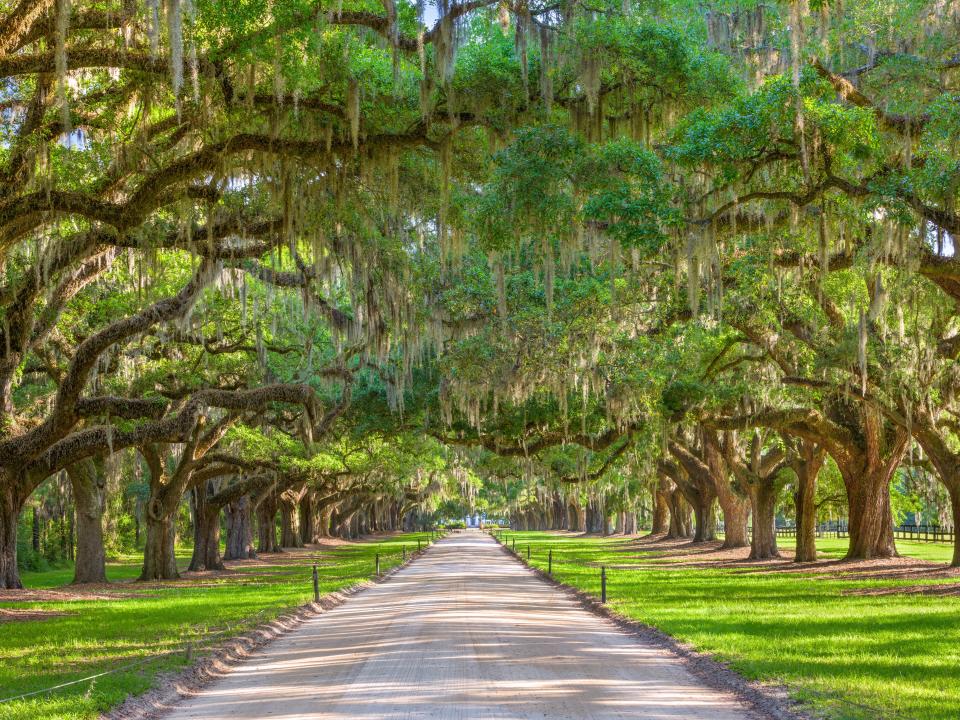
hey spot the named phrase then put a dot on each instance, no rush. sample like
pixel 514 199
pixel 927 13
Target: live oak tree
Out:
pixel 630 249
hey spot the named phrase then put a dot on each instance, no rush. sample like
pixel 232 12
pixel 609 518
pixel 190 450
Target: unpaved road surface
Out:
pixel 462 632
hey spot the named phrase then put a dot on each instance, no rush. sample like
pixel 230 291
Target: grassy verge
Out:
pixel 848 647
pixel 152 625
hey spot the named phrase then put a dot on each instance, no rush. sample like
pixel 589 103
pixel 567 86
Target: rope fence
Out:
pixel 188 646
pixel 554 558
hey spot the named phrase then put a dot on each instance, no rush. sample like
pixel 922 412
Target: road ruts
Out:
pixel 462 632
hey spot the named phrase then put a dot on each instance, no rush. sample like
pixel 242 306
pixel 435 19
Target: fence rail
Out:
pixel 923 533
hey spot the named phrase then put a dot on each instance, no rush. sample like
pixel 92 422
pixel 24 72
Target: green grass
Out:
pixel 145 623
pixel 846 656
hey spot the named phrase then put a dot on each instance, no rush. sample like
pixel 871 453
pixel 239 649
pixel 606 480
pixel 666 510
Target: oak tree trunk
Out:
pixel 10 506
pixel 266 526
pixel 87 485
pixel 307 530
pixel 805 504
pixel 289 526
pixel 159 559
pixel 661 512
pixel 239 530
pixel 871 519
pixel 681 523
pixel 703 513
pixel 736 513
pixel 955 508
pixel 206 531
pixel 763 499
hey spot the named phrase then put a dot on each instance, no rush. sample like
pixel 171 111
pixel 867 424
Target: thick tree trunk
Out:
pixel 307 530
pixel 159 558
pixel 763 499
pixel 955 508
pixel 206 532
pixel 866 477
pixel 289 526
pixel 871 519
pixel 266 526
pixel 681 523
pixel 706 521
pixel 806 467
pixel 88 488
pixel 239 530
pixel 10 506
pixel 661 511
pixel 323 522
pixel 630 523
pixel 736 513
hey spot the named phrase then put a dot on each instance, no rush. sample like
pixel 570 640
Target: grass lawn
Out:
pixel 130 623
pixel 844 653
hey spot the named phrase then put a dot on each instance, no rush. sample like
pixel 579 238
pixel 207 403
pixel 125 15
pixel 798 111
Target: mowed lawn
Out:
pixel 152 627
pixel 847 646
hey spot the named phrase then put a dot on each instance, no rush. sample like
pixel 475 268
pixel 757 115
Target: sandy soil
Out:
pixel 463 632
pixel 27 615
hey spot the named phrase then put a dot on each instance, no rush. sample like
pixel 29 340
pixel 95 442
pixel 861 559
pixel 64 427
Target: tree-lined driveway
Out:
pixel 463 632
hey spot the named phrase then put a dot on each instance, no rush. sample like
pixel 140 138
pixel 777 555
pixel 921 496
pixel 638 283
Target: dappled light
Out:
pixel 290 289
pixel 463 632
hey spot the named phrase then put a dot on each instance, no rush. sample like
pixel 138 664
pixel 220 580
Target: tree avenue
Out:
pixel 279 271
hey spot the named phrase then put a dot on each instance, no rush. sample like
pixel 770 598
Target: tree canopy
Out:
pixel 566 262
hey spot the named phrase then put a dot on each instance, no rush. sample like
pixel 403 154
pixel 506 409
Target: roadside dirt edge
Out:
pixel 218 661
pixel 771 702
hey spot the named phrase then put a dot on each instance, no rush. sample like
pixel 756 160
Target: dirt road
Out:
pixel 463 632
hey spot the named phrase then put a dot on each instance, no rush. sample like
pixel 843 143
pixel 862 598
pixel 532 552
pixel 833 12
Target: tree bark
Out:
pixel 10 506
pixel 289 525
pixel 735 507
pixel 705 520
pixel 681 524
pixel 159 558
pixel 806 465
pixel 661 509
pixel 871 519
pixel 866 476
pixel 323 522
pixel 694 478
pixel 763 499
pixel 307 529
pixel 954 491
pixel 88 488
pixel 206 531
pixel 266 526
pixel 239 530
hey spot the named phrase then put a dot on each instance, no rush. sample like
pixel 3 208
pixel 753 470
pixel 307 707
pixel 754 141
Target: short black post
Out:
pixel 378 564
pixel 528 552
pixel 514 544
pixel 418 544
pixel 550 562
pixel 316 585
pixel 603 584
